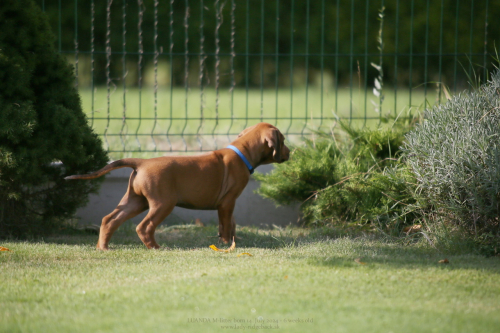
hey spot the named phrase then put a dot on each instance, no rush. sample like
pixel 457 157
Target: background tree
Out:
pixel 41 122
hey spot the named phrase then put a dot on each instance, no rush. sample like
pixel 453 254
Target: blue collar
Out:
pixel 240 154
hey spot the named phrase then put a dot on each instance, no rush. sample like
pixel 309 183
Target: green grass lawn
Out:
pixel 295 281
pixel 235 111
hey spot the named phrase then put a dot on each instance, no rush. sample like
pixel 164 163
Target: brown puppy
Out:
pixel 211 181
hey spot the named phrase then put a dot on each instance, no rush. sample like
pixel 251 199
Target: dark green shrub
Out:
pixel 358 179
pixel 41 122
pixel 455 156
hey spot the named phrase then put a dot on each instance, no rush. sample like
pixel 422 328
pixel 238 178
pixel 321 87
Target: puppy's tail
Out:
pixel 124 163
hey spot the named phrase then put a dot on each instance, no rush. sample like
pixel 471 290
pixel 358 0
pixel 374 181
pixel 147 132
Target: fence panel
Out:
pixel 184 75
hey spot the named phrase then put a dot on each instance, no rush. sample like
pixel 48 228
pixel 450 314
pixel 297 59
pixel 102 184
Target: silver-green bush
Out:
pixel 455 156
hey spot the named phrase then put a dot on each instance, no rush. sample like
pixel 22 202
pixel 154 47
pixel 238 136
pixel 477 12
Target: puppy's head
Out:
pixel 272 141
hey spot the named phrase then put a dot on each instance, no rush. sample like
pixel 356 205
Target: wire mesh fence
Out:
pixel 184 75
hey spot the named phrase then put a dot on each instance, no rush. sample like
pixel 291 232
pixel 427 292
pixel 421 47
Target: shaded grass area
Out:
pixel 296 280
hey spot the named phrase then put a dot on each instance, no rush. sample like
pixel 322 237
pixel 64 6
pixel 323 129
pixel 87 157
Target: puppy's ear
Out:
pixel 272 137
pixel 246 130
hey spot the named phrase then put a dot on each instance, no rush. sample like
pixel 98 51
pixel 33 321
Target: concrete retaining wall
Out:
pixel 251 209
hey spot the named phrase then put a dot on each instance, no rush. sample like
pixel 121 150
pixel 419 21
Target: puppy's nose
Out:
pixel 285 156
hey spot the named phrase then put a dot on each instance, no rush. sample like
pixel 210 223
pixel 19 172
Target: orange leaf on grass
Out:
pixel 4 248
pixel 215 248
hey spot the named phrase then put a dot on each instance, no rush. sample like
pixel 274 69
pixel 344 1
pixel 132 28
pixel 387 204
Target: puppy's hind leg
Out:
pixel 131 205
pixel 146 229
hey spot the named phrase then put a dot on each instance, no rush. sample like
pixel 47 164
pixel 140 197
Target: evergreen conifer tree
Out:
pixel 41 122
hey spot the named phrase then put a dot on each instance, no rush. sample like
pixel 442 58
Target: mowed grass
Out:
pixel 295 281
pixel 187 120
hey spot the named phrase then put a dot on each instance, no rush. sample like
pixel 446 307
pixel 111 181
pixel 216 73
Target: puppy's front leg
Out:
pixel 226 221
